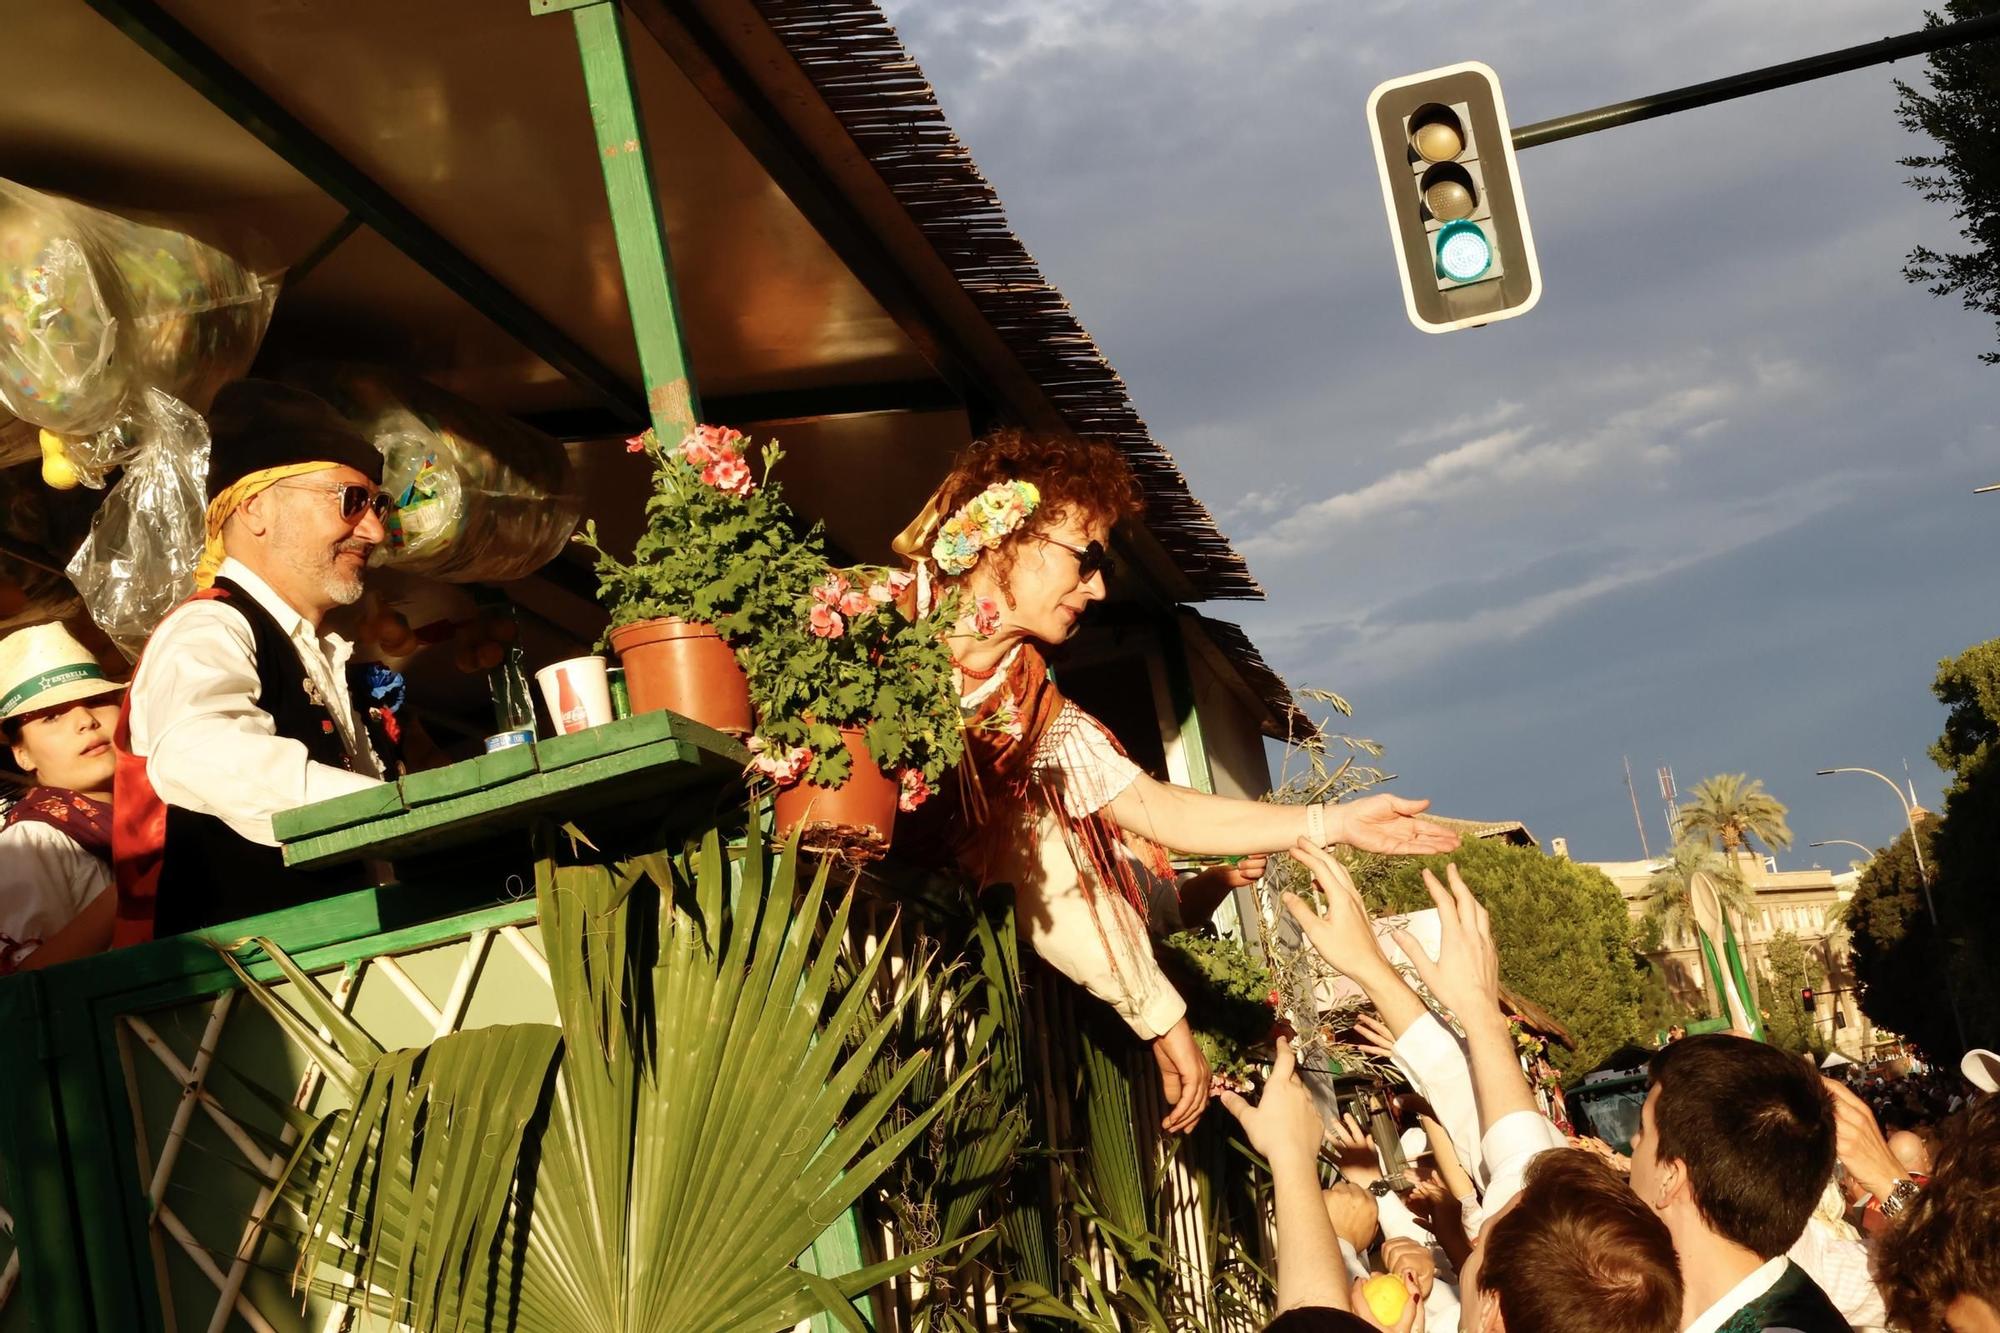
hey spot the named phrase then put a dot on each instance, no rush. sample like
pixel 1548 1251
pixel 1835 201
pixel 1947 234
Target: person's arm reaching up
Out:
pixel 1466 979
pixel 1285 1126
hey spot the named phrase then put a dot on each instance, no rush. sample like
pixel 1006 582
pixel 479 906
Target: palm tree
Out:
pixel 1733 809
pixel 1671 890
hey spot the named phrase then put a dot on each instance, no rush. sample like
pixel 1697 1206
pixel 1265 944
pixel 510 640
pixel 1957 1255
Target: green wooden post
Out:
pixel 671 401
pixel 1180 690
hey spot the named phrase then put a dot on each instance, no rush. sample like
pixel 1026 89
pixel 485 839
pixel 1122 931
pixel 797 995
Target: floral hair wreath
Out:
pixel 982 523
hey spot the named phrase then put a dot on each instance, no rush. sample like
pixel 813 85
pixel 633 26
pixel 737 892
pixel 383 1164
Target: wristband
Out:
pixel 1316 824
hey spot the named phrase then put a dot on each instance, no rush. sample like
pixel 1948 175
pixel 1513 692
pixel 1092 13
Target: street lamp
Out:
pixel 1866 851
pixel 1923 878
pixel 1909 817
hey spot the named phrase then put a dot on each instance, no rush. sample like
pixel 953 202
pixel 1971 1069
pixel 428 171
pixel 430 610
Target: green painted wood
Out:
pixel 38 1165
pixel 671 400
pixel 470 775
pixel 646 776
pixel 340 812
pixel 837 1251
pixel 626 733
pixel 1180 689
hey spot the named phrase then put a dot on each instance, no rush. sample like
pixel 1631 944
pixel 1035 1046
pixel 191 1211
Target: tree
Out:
pixel 1969 687
pixel 1960 113
pixel 1670 893
pixel 1788 1024
pixel 1563 934
pixel 1732 809
pixel 1895 953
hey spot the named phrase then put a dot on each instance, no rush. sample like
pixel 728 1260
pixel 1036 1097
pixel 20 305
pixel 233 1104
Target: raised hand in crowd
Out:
pixel 1353 1150
pixel 1411 1261
pixel 1285 1127
pixel 1345 937
pixel 1863 1150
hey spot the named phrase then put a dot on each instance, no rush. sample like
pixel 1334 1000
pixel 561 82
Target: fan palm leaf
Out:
pixel 657 1161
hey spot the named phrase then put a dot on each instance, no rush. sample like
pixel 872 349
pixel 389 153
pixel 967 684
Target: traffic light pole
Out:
pixel 1756 81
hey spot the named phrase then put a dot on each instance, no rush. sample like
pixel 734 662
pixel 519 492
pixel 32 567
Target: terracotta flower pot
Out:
pixel 854 819
pixel 686 668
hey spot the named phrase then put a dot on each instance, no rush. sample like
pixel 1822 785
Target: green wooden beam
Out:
pixel 1180 690
pixel 671 401
pixel 202 69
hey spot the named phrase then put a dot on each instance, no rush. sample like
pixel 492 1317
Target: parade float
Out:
pixel 607 1051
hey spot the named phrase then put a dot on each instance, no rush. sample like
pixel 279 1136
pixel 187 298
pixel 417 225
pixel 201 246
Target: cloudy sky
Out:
pixel 1708 505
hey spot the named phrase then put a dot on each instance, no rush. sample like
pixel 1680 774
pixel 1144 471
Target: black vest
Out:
pixel 211 874
pixel 1794 1304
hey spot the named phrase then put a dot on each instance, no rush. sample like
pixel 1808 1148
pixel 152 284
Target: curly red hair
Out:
pixel 1076 476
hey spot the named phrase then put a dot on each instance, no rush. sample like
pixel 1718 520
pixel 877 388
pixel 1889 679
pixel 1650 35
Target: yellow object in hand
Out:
pixel 1387 1298
pixel 57 470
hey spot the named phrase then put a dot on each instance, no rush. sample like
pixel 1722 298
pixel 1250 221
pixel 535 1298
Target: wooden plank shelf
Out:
pixel 634 761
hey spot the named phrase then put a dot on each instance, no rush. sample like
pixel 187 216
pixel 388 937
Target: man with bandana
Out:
pixel 243 704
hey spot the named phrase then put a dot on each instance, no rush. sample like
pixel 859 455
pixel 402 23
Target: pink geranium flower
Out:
pixel 832 591
pixel 854 602
pixel 826 622
pixel 781 764
pixel 985 617
pixel 878 593
pixel 900 580
pixel 915 790
pixel 728 474
pixel 637 443
pixel 705 445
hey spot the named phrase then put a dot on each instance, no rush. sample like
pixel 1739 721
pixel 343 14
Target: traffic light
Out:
pixel 1806 999
pixel 1453 191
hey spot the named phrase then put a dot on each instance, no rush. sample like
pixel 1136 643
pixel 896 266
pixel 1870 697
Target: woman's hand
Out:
pixel 1184 1077
pixel 1388 824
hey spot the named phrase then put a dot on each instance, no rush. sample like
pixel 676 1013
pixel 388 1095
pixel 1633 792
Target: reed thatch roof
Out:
pixel 853 57
pixel 1287 722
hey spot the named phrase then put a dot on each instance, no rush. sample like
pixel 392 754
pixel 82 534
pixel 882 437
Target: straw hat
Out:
pixel 42 666
pixel 1981 1068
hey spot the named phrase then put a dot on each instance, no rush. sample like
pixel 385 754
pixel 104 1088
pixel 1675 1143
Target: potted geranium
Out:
pixel 857 710
pixel 719 554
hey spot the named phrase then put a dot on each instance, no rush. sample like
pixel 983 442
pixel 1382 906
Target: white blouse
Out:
pixel 46 880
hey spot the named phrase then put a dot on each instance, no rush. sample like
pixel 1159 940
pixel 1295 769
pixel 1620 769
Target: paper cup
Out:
pixel 576 694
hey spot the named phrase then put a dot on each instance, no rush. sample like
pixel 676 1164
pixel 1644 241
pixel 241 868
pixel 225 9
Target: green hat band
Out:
pixel 48 680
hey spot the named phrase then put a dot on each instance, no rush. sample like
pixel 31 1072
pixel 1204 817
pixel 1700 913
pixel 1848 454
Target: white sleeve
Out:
pixel 1435 1062
pixel 1514 1141
pixel 1102 947
pixel 208 746
pixel 1078 758
pixel 46 879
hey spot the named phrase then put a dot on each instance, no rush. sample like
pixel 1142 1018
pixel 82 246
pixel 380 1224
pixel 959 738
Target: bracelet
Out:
pixel 1316 824
pixel 1901 1195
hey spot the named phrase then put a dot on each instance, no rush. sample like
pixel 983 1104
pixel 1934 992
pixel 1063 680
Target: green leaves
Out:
pixel 657 1162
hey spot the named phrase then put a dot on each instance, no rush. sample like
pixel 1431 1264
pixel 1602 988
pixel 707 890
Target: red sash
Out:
pixel 138 825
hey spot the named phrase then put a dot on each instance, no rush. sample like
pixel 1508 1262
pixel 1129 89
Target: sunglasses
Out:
pixel 1090 560
pixel 354 498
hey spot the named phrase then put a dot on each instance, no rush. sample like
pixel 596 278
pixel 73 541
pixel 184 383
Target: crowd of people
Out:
pixel 1759 1194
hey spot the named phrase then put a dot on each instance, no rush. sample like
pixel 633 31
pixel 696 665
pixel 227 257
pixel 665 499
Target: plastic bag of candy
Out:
pixel 95 309
pixel 480 497
pixel 138 562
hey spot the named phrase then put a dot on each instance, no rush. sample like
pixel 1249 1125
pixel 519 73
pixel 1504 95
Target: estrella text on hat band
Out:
pixel 48 680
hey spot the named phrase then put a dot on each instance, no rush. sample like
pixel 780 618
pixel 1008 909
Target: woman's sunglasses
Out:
pixel 1091 559
pixel 354 498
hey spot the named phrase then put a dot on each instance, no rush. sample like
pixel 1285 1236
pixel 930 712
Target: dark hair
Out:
pixel 1579 1253
pixel 1085 478
pixel 1754 1128
pixel 1318 1319
pixel 1948 1244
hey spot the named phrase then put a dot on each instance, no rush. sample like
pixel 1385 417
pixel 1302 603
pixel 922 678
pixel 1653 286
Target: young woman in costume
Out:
pixel 57 713
pixel 1045 799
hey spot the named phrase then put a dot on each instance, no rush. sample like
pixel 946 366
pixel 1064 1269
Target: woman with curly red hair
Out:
pixel 1045 798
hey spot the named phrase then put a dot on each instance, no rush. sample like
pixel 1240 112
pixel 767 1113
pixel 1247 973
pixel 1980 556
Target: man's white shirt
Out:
pixel 209 745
